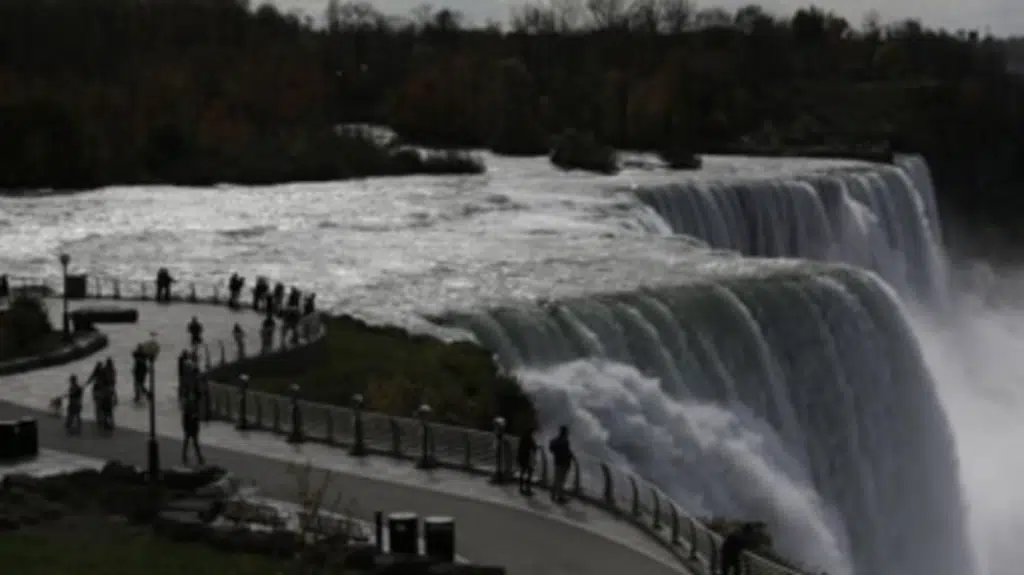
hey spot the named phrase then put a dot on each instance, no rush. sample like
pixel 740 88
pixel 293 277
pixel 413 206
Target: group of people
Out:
pixel 103 381
pixel 561 456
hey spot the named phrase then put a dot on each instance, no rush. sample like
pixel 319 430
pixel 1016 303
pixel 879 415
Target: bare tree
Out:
pixel 325 519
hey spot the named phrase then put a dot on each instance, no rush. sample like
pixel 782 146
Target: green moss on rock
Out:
pixel 396 371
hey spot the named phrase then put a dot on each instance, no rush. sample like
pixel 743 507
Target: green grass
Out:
pixel 396 372
pixel 97 546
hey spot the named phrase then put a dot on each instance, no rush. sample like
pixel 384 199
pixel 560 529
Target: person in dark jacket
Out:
pixel 163 285
pixel 195 332
pixel 190 426
pixel 525 458
pixel 73 421
pixel 562 456
pixel 736 542
pixel 140 369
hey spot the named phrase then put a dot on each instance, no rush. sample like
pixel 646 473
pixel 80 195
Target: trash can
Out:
pixel 8 440
pixel 76 286
pixel 28 437
pixel 403 533
pixel 439 538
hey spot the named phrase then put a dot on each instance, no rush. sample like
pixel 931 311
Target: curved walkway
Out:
pixel 493 524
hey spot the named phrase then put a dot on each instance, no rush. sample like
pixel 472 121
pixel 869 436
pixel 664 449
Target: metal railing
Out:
pixel 432 444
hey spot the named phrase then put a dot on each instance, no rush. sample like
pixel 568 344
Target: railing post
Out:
pixel 656 510
pixel 636 496
pixel 223 352
pixel 276 415
pixel 296 435
pixel 396 438
pixel 499 465
pixel 693 536
pixel 117 289
pixel 259 413
pixel 674 519
pixel 359 438
pixel 577 482
pixel 243 411
pixel 426 453
pixel 206 356
pixel 467 451
pixel 216 294
pixel 192 298
pixel 143 293
pixel 609 488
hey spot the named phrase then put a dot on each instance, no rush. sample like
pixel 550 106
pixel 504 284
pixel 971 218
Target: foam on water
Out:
pixel 769 387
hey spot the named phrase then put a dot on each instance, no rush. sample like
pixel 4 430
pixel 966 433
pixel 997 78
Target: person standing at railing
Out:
pixel 278 298
pixel 562 455
pixel 239 334
pixel 235 285
pixel 163 285
pixel 735 543
pixel 73 420
pixel 309 305
pixel 527 453
pixel 259 292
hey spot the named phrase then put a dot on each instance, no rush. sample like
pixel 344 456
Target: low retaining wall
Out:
pixel 82 345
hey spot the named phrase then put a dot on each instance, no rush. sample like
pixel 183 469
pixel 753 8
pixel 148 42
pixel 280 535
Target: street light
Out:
pixel 65 259
pixel 152 349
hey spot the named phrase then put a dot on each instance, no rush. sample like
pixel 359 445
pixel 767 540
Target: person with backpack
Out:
pixel 563 457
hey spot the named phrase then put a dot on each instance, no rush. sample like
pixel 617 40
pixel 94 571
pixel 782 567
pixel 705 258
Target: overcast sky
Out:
pixel 1003 17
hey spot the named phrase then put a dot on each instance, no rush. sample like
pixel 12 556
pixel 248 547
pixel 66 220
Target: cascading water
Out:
pixel 797 397
pixel 881 218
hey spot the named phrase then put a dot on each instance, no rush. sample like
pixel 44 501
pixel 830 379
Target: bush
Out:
pixel 25 329
pixel 582 151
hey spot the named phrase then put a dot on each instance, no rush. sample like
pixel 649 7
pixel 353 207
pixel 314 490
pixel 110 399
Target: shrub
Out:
pixel 581 151
pixel 25 328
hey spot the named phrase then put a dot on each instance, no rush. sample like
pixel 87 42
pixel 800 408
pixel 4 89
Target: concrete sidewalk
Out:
pixel 494 524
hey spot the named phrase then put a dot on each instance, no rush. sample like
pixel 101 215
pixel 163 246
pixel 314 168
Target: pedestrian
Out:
pixel 96 380
pixel 259 292
pixel 140 369
pixel 111 372
pixel 239 335
pixel 267 335
pixel 735 543
pixel 562 455
pixel 195 332
pixel 525 457
pixel 163 285
pixel 190 427
pixel 73 420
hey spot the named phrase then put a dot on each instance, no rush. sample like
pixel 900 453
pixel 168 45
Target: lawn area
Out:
pixel 396 372
pixel 94 545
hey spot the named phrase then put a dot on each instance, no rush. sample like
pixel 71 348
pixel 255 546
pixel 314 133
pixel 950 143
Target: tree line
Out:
pixel 165 90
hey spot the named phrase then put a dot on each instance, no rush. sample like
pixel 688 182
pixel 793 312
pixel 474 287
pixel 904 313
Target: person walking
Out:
pixel 190 427
pixel 140 369
pixel 73 420
pixel 563 457
pixel 111 372
pixel 239 335
pixel 525 457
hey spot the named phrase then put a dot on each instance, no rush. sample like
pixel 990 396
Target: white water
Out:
pixel 393 249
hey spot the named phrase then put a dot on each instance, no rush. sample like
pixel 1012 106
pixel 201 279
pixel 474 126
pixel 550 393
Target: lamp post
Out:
pixel 499 438
pixel 152 350
pixel 65 259
pixel 426 457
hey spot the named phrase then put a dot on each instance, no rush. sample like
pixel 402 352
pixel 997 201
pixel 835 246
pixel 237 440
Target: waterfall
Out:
pixel 878 217
pixel 798 398
pixel 789 389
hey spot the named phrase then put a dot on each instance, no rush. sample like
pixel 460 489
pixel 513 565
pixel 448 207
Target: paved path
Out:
pixel 494 525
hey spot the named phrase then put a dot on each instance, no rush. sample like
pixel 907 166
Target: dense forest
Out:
pixel 176 90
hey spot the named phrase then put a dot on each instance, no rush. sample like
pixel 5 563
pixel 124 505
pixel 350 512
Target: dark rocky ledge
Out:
pixel 83 344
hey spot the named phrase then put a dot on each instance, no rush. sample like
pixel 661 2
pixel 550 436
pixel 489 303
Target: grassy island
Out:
pixel 25 329
pixel 396 372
